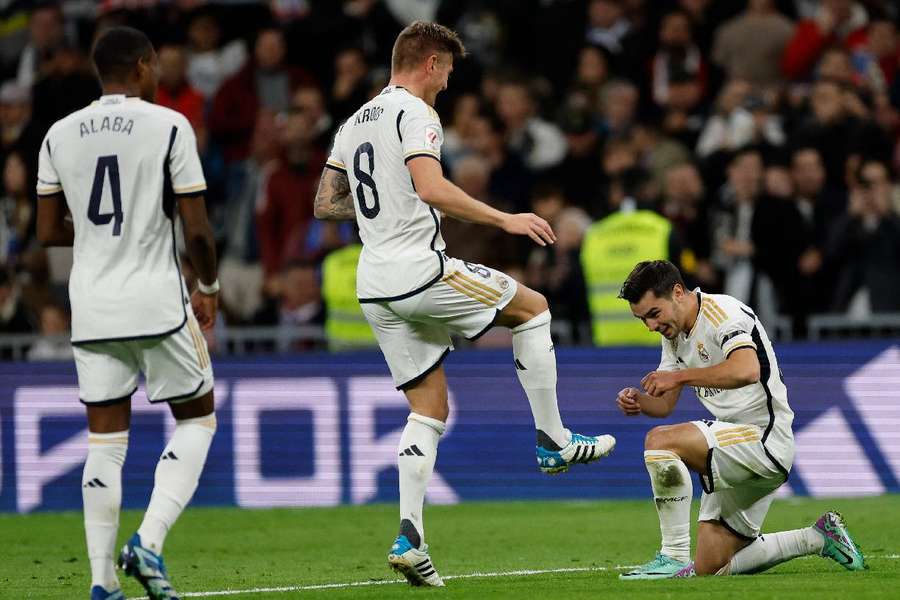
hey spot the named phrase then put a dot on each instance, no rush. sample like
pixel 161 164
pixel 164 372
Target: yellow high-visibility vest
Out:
pixel 345 324
pixel 611 249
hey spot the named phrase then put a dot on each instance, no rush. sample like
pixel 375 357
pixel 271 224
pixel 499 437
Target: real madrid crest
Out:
pixel 704 355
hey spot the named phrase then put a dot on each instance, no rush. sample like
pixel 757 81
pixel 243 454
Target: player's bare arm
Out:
pixel 333 198
pixel 201 248
pixel 741 368
pixel 434 189
pixel 54 225
pixel 632 402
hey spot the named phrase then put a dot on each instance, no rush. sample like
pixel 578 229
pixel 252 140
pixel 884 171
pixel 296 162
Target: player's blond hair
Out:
pixel 422 39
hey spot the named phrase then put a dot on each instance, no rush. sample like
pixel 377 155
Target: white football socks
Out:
pixel 672 492
pixel 101 492
pixel 177 475
pixel 772 549
pixel 536 367
pixel 418 451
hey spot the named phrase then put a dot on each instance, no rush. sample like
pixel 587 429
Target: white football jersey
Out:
pixel 724 325
pixel 401 234
pixel 120 163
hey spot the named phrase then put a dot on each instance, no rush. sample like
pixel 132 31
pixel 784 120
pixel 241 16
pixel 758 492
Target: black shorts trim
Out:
pixel 404 386
pixel 180 397
pixel 198 193
pixel 418 154
pixel 777 464
pixel 487 328
pixel 110 402
pixel 733 531
pixel 418 290
pixel 336 168
pixel 132 338
pixel 711 487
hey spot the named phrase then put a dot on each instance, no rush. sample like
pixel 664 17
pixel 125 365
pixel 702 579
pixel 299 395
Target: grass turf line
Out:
pixel 234 549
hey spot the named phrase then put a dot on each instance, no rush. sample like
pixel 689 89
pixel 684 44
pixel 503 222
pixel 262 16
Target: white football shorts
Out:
pixel 742 477
pixel 414 333
pixel 176 367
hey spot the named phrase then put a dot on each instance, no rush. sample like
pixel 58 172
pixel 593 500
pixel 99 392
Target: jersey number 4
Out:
pixel 107 164
pixel 365 179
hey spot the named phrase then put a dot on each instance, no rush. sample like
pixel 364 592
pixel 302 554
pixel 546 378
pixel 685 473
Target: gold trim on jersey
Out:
pixel 654 459
pixel 715 308
pixel 709 316
pixel 488 289
pixel 739 346
pixel 735 429
pixel 742 440
pixel 46 190
pixel 336 163
pixel 199 187
pixel 423 151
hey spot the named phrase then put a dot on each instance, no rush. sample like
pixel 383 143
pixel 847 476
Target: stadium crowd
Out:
pixel 766 132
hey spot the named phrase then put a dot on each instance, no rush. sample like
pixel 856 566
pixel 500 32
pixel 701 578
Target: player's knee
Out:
pixel 659 438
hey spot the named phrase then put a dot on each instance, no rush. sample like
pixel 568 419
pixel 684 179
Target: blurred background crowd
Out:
pixel 754 143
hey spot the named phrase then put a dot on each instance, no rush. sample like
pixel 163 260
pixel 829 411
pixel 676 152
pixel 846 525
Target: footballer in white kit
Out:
pixel 716 344
pixel 384 170
pixel 123 169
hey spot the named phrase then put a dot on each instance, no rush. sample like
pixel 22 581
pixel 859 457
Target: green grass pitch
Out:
pixel 219 550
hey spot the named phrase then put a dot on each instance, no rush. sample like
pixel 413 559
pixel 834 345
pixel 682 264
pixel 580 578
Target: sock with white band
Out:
pixel 672 492
pixel 772 549
pixel 417 453
pixel 177 475
pixel 535 361
pixel 101 492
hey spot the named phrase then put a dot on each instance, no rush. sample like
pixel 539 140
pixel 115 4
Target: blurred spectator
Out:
pixel 683 118
pixel 13 315
pixel 46 34
pixel 309 99
pixel 510 179
pixel 866 241
pixel 176 93
pixel 607 25
pixel 591 73
pixel 54 342
pixel 68 85
pixel 458 131
pixel 577 172
pixel 284 211
pixel 240 271
pixel 210 62
pixel 749 47
pixel 656 152
pixel 732 224
pixel 470 241
pixel 838 128
pixel 350 89
pixel 837 22
pixel 740 119
pixel 876 62
pixel 17 129
pixel 678 61
pixel 619 104
pixel 17 212
pixel 294 297
pixel 265 83
pixel 540 143
pixel 684 204
pixel 836 65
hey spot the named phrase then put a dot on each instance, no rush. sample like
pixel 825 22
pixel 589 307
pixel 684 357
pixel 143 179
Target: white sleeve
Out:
pixel 184 162
pixel 48 182
pixel 668 361
pixel 421 133
pixel 335 157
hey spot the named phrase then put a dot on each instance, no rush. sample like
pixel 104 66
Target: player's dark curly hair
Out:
pixel 419 40
pixel 660 276
pixel 117 51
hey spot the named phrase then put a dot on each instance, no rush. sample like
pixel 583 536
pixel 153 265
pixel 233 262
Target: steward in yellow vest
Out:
pixel 345 325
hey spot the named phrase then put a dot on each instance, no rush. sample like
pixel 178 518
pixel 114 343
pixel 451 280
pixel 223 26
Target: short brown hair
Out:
pixel 658 276
pixel 421 39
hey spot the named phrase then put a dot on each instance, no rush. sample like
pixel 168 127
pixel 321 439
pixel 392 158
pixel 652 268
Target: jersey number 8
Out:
pixel 366 179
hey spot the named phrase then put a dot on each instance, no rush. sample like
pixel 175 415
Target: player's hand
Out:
pixel 205 306
pixel 657 383
pixel 628 401
pixel 531 225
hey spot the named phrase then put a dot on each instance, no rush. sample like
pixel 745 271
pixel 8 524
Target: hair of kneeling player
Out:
pixel 117 52
pixel 658 276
